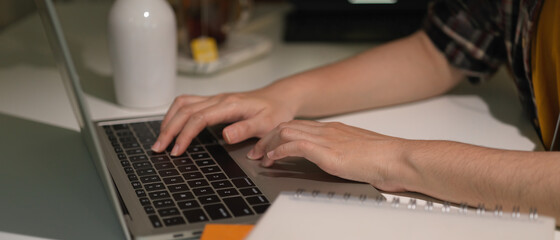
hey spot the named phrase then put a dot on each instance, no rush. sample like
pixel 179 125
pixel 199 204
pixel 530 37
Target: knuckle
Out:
pixel 231 98
pixel 285 133
pixel 185 111
pixel 198 117
pixel 180 100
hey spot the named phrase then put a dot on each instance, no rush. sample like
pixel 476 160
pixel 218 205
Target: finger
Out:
pixel 301 148
pixel 176 124
pixel 281 136
pixel 243 130
pixel 177 104
pixel 212 115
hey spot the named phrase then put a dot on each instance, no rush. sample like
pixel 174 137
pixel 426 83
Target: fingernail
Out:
pixel 156 146
pixel 270 154
pixel 228 136
pixel 175 151
pixel 251 155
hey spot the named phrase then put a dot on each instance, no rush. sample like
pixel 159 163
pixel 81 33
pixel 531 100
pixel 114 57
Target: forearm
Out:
pixel 401 71
pixel 459 172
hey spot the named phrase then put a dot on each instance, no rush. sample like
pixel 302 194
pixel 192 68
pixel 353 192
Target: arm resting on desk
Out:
pixel 459 172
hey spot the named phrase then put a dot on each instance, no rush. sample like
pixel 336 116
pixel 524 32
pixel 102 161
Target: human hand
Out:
pixel 341 150
pixel 255 115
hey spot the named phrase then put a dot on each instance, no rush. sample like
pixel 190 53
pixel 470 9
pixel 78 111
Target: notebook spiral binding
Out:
pixel 446 207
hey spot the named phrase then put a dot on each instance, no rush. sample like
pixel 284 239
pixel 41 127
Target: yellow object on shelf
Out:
pixel 204 49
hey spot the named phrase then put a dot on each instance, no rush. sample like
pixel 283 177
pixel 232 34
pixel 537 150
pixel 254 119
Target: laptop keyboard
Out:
pixel 203 184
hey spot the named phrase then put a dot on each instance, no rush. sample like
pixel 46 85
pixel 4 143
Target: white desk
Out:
pixel 39 132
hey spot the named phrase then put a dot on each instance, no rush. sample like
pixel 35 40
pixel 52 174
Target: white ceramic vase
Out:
pixel 143 48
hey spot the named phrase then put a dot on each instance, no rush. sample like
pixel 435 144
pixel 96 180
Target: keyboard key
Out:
pixel 145 171
pixel 162 166
pixel 139 126
pixel 121 156
pixel 205 162
pixel 197 183
pixel 203 191
pixel 188 204
pixel 125 163
pixel 250 191
pixel 145 201
pixel 259 209
pixel 183 196
pixel 168 172
pixel 174 221
pixel 132 177
pixel 119 127
pixel 135 151
pixel 128 170
pixel 125 140
pixel 166 212
pixel 155 221
pixel 222 184
pixel 195 215
pixel 150 179
pixel 243 182
pixel 237 206
pixel 138 158
pixel 178 188
pixel 223 159
pixel 118 149
pixel 194 149
pixel 131 145
pixel 254 200
pixel 140 193
pixel 212 169
pixel 216 176
pixel 158 195
pixel 217 211
pixel 208 199
pixel 148 140
pixel 160 159
pixel 173 180
pixel 202 155
pixel 154 186
pixel 183 161
pixel 192 175
pixel 144 164
pixel 124 134
pixel 227 192
pixel 149 210
pixel 136 185
pixel 163 203
pixel 187 168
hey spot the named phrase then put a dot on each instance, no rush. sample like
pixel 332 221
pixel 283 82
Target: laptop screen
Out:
pixel 74 91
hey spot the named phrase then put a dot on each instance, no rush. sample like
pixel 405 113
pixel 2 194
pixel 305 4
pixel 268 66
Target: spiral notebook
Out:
pixel 315 215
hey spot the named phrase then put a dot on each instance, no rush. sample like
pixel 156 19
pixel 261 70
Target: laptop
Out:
pixel 157 196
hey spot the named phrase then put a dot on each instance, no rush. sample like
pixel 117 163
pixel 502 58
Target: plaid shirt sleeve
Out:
pixel 469 33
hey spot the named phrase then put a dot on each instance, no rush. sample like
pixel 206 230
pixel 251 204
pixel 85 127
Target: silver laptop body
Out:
pixel 148 210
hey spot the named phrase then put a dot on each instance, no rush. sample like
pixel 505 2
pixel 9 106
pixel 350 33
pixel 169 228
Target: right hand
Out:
pixel 254 115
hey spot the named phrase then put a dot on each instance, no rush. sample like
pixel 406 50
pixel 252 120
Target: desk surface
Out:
pixel 49 186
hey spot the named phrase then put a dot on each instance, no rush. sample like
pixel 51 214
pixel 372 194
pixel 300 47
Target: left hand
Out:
pixel 341 150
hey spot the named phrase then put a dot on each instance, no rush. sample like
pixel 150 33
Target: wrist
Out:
pixel 289 93
pixel 404 172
